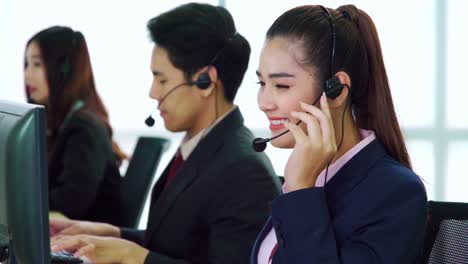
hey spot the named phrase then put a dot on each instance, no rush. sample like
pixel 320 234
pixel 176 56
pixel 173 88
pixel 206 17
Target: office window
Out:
pixel 422 158
pixel 455 189
pixel 455 130
pixel 457 40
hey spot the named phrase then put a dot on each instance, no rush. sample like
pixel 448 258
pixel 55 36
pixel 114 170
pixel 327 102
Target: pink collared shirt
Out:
pixel 367 136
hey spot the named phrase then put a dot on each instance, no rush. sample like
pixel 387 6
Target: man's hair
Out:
pixel 197 35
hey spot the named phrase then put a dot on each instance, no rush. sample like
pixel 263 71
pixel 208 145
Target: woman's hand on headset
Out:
pixel 314 149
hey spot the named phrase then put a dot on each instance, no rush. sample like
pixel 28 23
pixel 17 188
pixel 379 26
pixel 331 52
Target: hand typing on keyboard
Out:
pixel 59 227
pixel 101 249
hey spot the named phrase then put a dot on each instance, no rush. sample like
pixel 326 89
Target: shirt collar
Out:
pixel 189 144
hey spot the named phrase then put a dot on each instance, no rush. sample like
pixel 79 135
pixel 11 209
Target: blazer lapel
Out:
pixel 156 192
pixel 353 172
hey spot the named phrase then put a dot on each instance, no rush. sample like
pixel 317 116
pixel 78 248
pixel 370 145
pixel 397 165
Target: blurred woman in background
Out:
pixel 84 179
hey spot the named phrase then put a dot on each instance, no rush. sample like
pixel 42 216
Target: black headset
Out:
pixel 204 80
pixel 64 63
pixel 332 86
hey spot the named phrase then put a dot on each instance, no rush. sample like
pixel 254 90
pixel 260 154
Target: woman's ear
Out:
pixel 341 100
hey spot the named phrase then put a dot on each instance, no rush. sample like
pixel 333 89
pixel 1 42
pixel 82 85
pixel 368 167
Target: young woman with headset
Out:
pixel 350 195
pixel 84 180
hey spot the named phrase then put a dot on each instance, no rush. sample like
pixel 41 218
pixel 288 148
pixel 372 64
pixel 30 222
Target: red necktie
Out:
pixel 273 251
pixel 176 163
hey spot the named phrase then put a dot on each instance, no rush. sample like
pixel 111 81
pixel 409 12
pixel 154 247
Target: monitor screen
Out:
pixel 23 182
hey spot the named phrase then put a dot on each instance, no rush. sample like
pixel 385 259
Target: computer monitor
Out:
pixel 23 182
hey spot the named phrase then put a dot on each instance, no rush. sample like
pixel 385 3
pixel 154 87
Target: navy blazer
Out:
pixel 372 211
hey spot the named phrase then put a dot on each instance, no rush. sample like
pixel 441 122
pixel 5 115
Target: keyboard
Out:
pixel 64 257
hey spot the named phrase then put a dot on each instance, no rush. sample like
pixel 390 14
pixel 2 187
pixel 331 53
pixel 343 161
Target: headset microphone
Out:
pixel 260 144
pixel 150 120
pixel 203 82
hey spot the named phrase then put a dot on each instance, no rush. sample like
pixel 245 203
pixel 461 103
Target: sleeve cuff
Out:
pixel 132 235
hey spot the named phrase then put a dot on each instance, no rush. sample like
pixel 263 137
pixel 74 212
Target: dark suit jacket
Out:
pixel 84 180
pixel 216 204
pixel 372 211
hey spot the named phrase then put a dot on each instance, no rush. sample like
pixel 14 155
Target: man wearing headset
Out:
pixel 213 198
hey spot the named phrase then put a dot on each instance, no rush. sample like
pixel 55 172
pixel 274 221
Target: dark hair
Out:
pixel 194 34
pixel 70 78
pixel 357 53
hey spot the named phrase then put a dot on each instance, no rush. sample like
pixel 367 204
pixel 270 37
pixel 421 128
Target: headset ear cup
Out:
pixel 65 65
pixel 333 87
pixel 203 81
